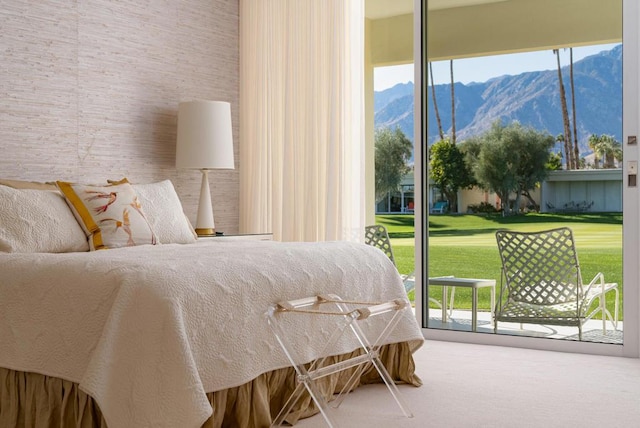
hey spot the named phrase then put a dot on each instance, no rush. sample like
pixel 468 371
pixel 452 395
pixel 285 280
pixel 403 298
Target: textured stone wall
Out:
pixel 89 90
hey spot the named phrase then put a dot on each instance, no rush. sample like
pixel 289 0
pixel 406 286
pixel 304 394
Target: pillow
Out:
pixel 38 221
pixel 164 212
pixel 34 185
pixel 111 215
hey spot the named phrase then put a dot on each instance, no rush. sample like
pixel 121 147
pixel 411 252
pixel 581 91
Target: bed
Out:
pixel 172 334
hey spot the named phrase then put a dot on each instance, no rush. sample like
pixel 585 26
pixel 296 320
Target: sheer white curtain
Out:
pixel 302 118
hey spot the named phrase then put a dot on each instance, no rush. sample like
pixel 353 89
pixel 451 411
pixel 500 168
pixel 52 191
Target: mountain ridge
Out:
pixel 531 98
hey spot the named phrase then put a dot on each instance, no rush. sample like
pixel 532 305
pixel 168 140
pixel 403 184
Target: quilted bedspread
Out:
pixel 148 330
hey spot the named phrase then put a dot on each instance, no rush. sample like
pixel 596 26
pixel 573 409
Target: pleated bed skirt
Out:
pixel 38 401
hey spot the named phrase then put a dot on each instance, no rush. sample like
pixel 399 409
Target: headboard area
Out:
pixel 89 91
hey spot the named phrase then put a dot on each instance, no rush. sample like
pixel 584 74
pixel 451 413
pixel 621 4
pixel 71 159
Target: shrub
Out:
pixel 482 207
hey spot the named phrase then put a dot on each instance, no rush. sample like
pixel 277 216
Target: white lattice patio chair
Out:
pixel 541 282
pixel 376 235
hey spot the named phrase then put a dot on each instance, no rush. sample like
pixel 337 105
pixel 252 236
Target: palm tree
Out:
pixel 435 104
pixel 593 145
pixel 453 106
pixel 608 148
pixel 565 117
pixel 576 150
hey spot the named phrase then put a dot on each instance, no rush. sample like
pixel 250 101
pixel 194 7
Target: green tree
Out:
pixel 555 162
pixel 393 152
pixel 534 160
pixel 449 170
pixel 511 160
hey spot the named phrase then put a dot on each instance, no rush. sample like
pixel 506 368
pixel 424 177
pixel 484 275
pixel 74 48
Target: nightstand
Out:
pixel 244 237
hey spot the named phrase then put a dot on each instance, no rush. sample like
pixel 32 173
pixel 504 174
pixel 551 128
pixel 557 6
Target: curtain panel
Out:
pixel 302 119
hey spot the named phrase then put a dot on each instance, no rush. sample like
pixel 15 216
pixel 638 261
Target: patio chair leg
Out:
pixel 603 309
pixel 615 324
pixel 606 314
pixel 580 332
pixel 451 299
pixel 435 301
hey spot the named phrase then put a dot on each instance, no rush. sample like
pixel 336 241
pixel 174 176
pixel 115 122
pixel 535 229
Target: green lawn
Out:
pixel 465 246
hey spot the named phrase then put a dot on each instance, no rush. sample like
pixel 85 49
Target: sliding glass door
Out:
pixel 524 129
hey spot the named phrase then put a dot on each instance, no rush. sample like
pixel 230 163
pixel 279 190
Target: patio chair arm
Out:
pixel 597 281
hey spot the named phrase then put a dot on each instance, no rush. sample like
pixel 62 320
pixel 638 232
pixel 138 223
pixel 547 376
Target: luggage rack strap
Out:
pixel 370 308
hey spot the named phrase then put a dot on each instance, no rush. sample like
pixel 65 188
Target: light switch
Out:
pixel 632 167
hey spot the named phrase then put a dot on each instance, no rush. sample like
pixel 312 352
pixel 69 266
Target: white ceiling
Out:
pixel 375 9
pixel 470 28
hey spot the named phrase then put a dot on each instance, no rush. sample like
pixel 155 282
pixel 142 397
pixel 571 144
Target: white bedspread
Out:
pixel 148 330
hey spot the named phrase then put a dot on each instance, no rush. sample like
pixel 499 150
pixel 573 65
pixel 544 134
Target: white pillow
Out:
pixel 164 212
pixel 38 221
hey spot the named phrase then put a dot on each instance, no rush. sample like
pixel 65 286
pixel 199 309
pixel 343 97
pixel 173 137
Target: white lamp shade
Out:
pixel 205 138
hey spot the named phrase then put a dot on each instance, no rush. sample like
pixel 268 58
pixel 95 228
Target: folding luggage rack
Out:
pixel 350 313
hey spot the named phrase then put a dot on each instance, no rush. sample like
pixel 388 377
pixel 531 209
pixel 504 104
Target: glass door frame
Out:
pixel 631 229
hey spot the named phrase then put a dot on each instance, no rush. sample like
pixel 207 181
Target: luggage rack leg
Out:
pixel 349 317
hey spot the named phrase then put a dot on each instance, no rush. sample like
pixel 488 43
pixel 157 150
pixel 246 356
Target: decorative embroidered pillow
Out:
pixel 38 221
pixel 111 215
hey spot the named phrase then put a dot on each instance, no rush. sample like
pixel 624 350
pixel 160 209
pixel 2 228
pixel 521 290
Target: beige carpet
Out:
pixel 488 386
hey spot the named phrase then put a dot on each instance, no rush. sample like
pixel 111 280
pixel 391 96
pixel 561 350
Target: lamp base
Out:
pixel 205 225
pixel 206 232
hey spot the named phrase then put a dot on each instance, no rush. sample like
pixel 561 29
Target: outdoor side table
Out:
pixel 474 284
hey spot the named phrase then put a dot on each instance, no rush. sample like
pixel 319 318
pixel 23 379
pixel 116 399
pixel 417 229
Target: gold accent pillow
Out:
pixel 111 215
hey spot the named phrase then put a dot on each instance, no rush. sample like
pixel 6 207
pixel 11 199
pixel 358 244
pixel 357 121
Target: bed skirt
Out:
pixel 38 401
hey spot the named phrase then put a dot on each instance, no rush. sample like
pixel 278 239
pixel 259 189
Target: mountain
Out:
pixel 530 98
pixel 383 98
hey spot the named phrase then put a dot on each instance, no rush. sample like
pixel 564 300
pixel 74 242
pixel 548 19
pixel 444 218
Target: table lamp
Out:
pixel 205 142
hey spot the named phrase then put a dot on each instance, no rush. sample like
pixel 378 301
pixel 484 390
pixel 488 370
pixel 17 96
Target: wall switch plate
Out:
pixel 632 167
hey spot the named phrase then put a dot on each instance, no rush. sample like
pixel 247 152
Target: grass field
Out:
pixel 465 246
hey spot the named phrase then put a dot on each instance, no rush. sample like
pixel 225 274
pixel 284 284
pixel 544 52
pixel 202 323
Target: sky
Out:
pixel 484 68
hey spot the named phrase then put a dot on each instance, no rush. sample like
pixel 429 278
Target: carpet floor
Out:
pixel 467 385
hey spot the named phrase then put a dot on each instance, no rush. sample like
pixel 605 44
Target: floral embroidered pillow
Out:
pixel 111 215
